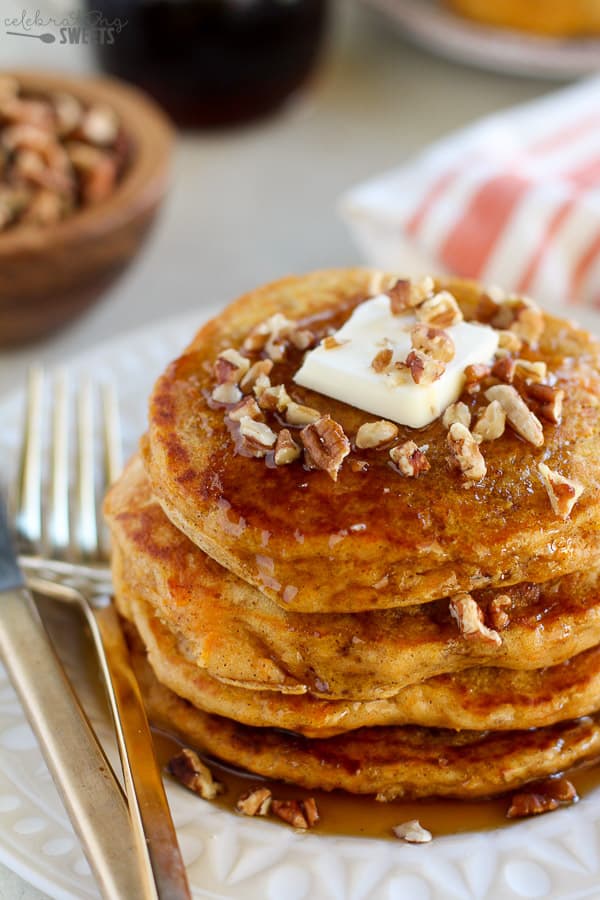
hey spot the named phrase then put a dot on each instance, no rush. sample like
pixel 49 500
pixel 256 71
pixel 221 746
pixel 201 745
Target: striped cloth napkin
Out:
pixel 512 200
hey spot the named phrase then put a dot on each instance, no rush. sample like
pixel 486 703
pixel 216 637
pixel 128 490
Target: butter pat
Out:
pixel 345 372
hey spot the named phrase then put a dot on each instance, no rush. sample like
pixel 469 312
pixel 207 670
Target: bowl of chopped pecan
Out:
pixel 83 170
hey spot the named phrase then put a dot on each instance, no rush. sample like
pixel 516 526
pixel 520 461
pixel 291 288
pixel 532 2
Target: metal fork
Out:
pixel 64 552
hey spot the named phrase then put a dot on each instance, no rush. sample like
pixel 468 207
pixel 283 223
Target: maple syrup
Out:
pixel 215 62
pixel 352 815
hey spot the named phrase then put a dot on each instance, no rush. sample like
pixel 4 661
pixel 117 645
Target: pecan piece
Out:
pixel 230 366
pixel 246 407
pixel 226 393
pixel 498 611
pixel 410 459
pixel 545 401
pixel 257 437
pixel 274 399
pixel 412 832
pixel 375 434
pixel 405 294
pixel 255 803
pixel 474 375
pixel 543 796
pixel 491 423
pixel 262 367
pixel 435 342
pixel 311 811
pixel 532 371
pixel 520 417
pixel 457 412
pixel 441 310
pixel 332 343
pixel 286 448
pixel 465 453
pixel 508 340
pixel 326 444
pixel 423 369
pixel 382 360
pixel 297 414
pixel 291 812
pixel 505 369
pixel 187 767
pixel 468 616
pixel 562 492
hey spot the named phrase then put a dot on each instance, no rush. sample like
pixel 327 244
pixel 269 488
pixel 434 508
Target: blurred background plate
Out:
pixel 502 50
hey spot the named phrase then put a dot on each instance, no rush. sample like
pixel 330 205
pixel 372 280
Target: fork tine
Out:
pixel 57 519
pixel 87 526
pixel 111 432
pixel 28 513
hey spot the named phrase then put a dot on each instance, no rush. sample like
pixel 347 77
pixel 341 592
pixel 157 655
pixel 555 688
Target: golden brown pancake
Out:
pixel 290 532
pixel 477 700
pixel 236 634
pixel 393 761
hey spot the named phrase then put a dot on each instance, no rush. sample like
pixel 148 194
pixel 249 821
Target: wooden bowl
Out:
pixel 48 276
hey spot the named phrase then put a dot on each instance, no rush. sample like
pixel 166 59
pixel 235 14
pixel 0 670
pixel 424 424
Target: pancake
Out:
pixel 392 761
pixel 476 700
pixel 237 635
pixel 372 539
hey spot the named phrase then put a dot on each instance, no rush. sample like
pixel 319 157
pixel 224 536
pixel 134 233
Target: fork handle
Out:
pixel 153 825
pixel 92 796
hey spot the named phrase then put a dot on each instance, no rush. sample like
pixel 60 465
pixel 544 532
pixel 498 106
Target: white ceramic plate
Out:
pixel 230 857
pixel 428 23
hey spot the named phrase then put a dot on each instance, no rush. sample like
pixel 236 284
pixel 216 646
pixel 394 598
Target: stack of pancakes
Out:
pixel 303 628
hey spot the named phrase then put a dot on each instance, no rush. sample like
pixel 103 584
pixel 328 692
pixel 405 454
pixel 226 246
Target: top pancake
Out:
pixel 292 533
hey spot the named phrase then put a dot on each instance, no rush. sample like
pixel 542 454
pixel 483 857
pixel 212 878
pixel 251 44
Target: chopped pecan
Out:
pixel 258 438
pixel 382 360
pixel 498 610
pixel 521 316
pixel 457 412
pixel 297 414
pixel 468 616
pixel 491 422
pixel 274 334
pixel 545 401
pixel 465 453
pixel 327 445
pixel 508 340
pixel 187 767
pixel 100 125
pixel 261 384
pixel 301 338
pixel 291 812
pixel 543 796
pixel 311 811
pixel 255 803
pixel 423 369
pixel 505 369
pixel 359 465
pixel 435 342
pixel 562 492
pixel 286 448
pixel 412 832
pixel 474 375
pixel 533 371
pixel 375 434
pixel 262 367
pixel 441 310
pixel 230 366
pixel 520 417
pixel 226 393
pixel 410 459
pixel 246 407
pixel 405 294
pixel 274 399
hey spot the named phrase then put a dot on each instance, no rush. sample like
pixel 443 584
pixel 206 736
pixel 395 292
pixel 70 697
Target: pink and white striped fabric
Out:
pixel 513 200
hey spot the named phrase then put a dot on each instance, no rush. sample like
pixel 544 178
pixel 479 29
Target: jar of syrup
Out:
pixel 214 62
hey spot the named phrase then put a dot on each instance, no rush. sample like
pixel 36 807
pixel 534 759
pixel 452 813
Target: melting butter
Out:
pixel 345 372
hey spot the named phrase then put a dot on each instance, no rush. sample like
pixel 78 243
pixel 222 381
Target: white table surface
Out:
pixel 250 205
